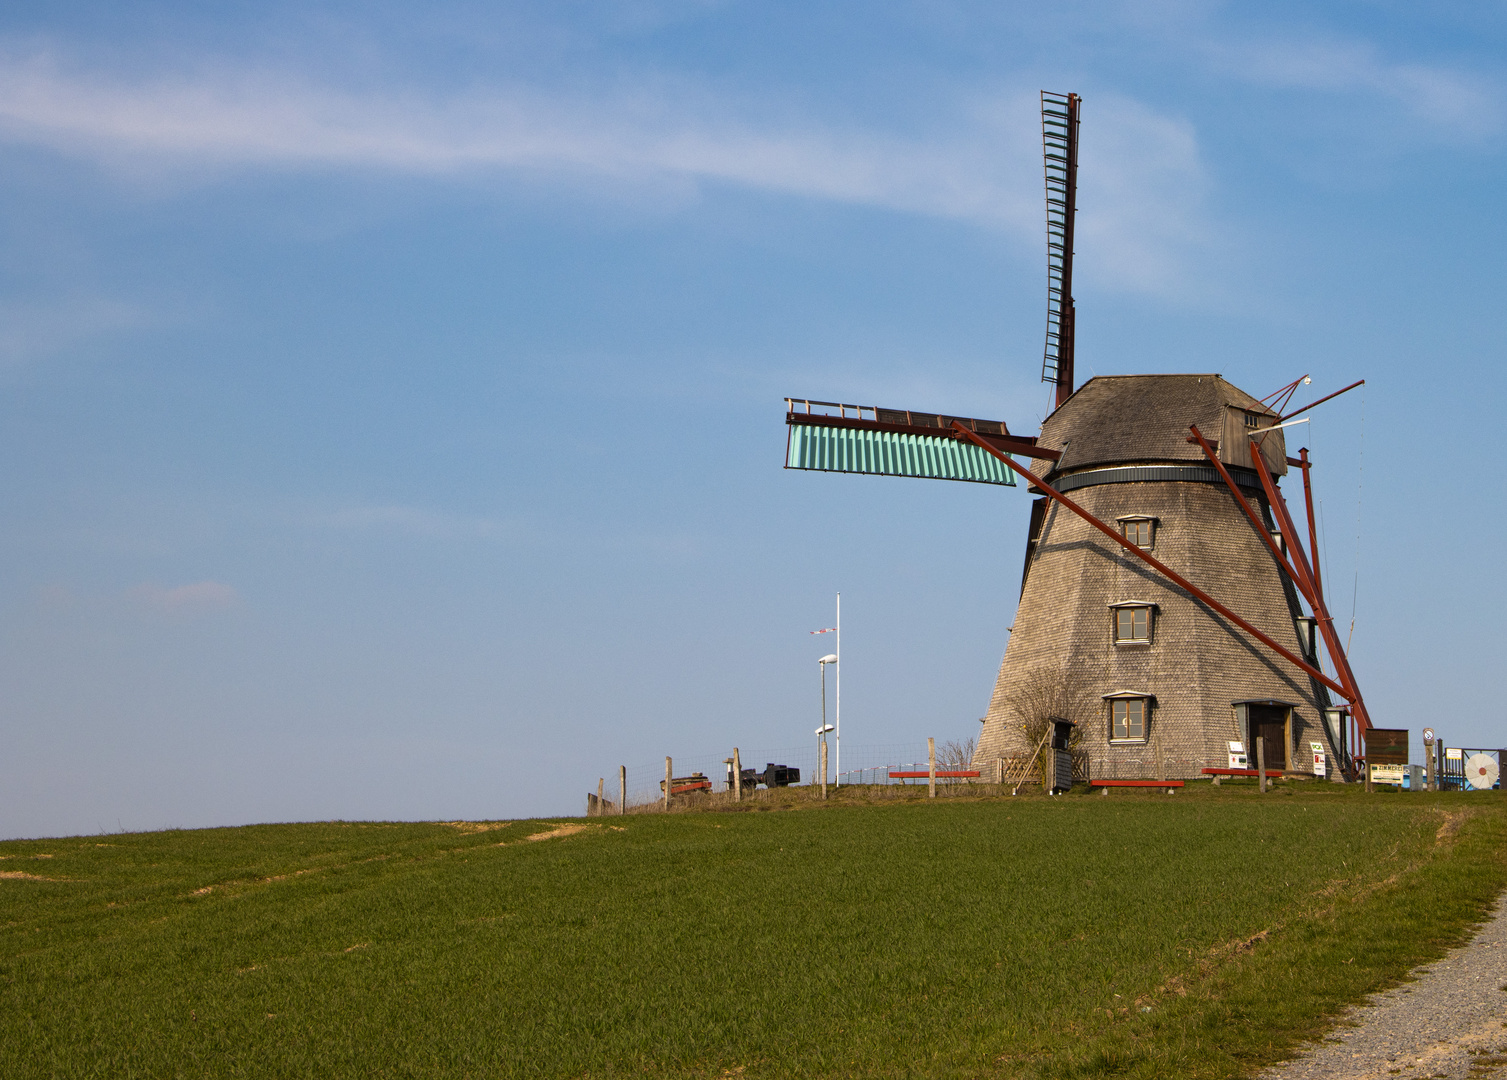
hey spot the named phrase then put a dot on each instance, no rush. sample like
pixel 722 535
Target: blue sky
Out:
pixel 390 398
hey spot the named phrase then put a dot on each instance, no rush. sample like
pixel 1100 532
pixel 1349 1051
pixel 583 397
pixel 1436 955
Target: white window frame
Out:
pixel 1132 605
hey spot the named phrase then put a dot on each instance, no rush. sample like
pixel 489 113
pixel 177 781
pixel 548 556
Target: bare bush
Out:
pixel 957 755
pixel 1053 696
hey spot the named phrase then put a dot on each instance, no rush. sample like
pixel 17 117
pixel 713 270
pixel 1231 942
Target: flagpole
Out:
pixel 838 725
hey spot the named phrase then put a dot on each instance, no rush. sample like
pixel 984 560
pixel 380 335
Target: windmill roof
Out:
pixel 1141 418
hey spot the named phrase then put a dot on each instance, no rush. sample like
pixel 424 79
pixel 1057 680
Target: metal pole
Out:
pixel 821 735
pixel 931 768
pixel 668 770
pixel 1261 763
pixel 1168 572
pixel 837 720
pixel 622 790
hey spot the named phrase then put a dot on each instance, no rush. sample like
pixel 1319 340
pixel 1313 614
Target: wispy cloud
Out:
pixel 1454 101
pixel 980 164
pixel 185 599
pixel 41 327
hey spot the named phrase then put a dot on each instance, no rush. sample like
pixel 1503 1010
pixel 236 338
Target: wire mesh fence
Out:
pixel 641 787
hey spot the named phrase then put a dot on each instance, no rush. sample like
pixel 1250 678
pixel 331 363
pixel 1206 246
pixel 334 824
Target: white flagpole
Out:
pixel 838 724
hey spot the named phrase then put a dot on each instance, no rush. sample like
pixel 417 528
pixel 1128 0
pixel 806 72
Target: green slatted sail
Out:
pixel 889 453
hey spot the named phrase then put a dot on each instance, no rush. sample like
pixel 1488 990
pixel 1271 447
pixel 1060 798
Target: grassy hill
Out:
pixel 1136 935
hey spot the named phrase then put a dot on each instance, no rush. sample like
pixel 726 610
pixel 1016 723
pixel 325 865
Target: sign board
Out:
pixel 1387 746
pixel 1428 735
pixel 1320 763
pixel 1454 753
pixel 1388 774
pixel 1237 756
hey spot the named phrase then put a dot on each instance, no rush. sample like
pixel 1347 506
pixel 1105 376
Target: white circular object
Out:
pixel 1481 771
pixel 1428 734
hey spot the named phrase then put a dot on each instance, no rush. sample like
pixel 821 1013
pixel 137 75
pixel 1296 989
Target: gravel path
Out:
pixel 1451 1022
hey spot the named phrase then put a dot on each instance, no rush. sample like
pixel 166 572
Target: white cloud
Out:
pixel 38 328
pixel 983 169
pixel 1454 102
pixel 200 596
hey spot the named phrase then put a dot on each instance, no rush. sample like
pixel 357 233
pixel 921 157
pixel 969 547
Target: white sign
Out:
pixel 1237 756
pixel 1454 753
pixel 1388 774
pixel 1428 734
pixel 1320 764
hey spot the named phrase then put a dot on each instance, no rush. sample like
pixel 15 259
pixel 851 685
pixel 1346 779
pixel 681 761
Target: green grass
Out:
pixel 1077 936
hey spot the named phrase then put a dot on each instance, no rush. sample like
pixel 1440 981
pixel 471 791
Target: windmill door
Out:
pixel 1268 722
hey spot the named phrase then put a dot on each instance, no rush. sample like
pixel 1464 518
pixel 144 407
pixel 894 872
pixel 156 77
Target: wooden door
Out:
pixel 1268 722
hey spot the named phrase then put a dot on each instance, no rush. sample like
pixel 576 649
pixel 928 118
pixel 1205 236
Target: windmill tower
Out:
pixel 1162 596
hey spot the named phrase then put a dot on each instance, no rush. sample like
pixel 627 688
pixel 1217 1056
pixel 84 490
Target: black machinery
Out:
pixel 773 776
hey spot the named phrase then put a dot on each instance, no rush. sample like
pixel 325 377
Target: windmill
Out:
pixel 1162 596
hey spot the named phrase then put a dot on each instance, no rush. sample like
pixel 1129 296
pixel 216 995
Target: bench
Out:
pixel 1241 772
pixel 1135 783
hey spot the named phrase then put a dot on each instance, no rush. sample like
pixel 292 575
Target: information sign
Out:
pixel 1320 763
pixel 1388 774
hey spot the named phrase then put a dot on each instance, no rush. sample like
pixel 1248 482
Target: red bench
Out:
pixel 1135 783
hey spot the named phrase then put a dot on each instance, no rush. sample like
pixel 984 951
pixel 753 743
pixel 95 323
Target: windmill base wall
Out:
pixel 1063 658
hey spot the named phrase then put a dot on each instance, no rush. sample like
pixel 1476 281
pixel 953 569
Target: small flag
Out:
pixel 828 630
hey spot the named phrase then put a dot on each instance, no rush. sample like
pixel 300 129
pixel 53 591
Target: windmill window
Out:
pixel 1252 420
pixel 1127 721
pixel 1138 530
pixel 1132 623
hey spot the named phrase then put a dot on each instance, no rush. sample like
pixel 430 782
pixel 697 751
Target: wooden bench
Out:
pixel 1240 772
pixel 1136 783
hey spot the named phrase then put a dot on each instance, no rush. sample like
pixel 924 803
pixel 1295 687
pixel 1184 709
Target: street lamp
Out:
pixel 830 658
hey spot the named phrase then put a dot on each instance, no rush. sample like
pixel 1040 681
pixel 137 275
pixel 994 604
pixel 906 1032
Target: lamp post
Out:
pixel 830 658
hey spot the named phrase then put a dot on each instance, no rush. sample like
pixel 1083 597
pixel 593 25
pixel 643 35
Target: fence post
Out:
pixel 999 771
pixel 1261 763
pixel 737 776
pixel 622 789
pixel 824 769
pixel 668 770
pixel 1366 772
pixel 931 768
pixel 601 783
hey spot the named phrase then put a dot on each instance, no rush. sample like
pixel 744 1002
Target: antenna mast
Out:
pixel 1059 142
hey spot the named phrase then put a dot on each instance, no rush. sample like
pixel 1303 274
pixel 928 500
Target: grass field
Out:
pixel 1134 935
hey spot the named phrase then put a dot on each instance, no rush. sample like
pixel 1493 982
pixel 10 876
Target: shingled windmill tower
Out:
pixel 1161 606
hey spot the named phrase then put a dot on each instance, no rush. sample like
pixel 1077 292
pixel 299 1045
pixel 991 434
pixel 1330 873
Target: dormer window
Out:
pixel 1252 420
pixel 1139 529
pixel 1133 622
pixel 1129 716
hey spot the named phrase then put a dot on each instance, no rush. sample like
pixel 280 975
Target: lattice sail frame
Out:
pixel 1059 144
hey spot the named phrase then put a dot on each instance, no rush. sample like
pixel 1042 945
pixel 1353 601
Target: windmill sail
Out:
pixel 1059 142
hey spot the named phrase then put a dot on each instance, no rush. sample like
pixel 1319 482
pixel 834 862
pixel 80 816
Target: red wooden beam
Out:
pixel 1313 536
pixel 1244 505
pixel 1326 397
pixel 1351 690
pixel 1165 570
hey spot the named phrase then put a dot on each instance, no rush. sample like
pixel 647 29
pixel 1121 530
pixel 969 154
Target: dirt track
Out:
pixel 1451 1022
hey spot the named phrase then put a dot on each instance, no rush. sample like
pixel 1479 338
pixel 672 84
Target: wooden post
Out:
pixel 1428 767
pixel 999 771
pixel 1366 772
pixel 737 776
pixel 931 768
pixel 622 789
pixel 668 771
pixel 1261 762
pixel 824 768
pixel 601 783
